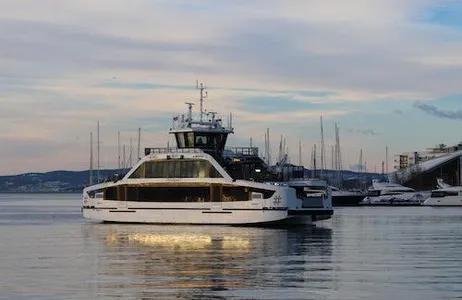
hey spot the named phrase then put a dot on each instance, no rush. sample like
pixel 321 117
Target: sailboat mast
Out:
pixel 386 159
pixel 139 143
pixel 268 145
pixel 300 153
pixel 332 157
pixel 118 149
pixel 130 153
pixel 124 163
pixel 314 161
pixel 322 149
pixel 91 158
pixel 97 164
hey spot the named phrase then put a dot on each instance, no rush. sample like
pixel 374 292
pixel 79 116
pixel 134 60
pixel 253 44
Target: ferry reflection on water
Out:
pixel 195 262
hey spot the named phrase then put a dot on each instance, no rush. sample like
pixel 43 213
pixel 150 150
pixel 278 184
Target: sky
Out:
pixel 387 71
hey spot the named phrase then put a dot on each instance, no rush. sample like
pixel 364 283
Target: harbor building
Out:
pixel 409 159
pixel 421 169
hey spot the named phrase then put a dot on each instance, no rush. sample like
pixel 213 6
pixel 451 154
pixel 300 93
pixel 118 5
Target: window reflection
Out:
pixel 176 168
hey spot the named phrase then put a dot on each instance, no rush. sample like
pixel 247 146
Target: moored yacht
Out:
pixel 384 193
pixel 446 195
pixel 196 183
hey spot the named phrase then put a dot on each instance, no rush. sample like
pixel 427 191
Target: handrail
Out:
pixel 148 151
pixel 244 151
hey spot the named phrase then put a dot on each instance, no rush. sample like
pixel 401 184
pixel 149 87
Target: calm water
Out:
pixel 48 251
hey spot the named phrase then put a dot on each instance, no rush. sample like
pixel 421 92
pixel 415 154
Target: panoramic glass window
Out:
pixel 176 168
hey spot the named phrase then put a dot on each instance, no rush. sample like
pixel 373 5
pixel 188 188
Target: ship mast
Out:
pixel 202 88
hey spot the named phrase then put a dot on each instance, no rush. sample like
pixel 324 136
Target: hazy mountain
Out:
pixel 75 181
pixel 55 181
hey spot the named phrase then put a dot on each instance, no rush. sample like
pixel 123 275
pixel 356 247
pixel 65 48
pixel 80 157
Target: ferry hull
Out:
pixel 191 216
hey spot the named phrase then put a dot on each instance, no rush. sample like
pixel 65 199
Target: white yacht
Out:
pixel 446 195
pixel 196 184
pixel 384 193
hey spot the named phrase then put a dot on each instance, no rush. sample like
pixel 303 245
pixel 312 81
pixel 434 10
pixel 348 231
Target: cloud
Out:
pixel 364 131
pixel 435 111
pixel 67 64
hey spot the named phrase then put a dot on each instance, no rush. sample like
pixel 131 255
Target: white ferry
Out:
pixel 196 184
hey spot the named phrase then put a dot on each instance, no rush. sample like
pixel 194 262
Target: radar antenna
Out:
pixel 190 105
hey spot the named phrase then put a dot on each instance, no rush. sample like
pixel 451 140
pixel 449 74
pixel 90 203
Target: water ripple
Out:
pixel 50 252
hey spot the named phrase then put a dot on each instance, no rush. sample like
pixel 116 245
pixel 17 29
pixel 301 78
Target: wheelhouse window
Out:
pixel 190 140
pixel 180 139
pixel 176 168
pixel 200 140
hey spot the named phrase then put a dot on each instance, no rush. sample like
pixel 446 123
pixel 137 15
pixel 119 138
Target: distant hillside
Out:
pixel 75 181
pixel 55 181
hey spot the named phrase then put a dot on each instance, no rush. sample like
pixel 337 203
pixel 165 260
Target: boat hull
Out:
pixel 349 200
pixel 444 201
pixel 405 199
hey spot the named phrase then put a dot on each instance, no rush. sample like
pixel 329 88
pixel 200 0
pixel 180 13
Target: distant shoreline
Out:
pixel 6 192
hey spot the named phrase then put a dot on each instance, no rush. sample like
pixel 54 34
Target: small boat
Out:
pixel 384 193
pixel 198 182
pixel 314 193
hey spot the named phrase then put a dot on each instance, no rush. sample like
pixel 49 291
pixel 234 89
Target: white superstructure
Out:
pixel 192 188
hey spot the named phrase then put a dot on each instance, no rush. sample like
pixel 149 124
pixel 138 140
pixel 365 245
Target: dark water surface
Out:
pixel 48 251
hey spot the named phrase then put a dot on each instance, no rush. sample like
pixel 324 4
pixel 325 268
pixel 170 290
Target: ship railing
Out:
pixel 244 151
pixel 148 151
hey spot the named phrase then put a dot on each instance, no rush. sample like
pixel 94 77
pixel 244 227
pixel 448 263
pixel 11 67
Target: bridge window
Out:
pixel 190 140
pixel 180 139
